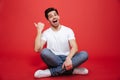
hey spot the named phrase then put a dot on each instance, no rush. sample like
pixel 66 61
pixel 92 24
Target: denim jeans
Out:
pixel 55 62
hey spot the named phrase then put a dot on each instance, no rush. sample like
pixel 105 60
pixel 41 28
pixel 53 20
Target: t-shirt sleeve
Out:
pixel 71 34
pixel 44 37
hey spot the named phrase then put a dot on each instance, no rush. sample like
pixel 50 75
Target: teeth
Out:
pixel 55 21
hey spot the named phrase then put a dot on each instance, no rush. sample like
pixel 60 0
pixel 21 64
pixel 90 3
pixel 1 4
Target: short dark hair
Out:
pixel 49 10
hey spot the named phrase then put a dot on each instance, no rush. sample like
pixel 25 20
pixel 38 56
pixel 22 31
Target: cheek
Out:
pixel 50 20
pixel 58 17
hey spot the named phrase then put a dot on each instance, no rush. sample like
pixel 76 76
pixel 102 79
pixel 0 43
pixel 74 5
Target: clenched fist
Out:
pixel 39 26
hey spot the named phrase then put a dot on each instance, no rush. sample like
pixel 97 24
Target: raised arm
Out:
pixel 38 42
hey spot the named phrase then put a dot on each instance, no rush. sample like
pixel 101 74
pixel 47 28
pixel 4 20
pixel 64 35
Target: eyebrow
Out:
pixel 51 14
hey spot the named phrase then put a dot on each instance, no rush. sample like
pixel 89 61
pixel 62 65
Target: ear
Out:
pixel 58 17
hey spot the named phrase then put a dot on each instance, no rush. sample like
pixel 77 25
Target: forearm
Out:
pixel 68 62
pixel 37 41
pixel 72 52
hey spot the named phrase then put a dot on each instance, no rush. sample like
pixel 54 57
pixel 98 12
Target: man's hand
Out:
pixel 39 26
pixel 67 64
pixel 38 42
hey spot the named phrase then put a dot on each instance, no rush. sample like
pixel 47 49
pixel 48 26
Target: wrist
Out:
pixel 39 31
pixel 68 58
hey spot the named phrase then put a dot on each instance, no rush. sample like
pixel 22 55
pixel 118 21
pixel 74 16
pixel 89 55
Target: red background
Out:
pixel 96 24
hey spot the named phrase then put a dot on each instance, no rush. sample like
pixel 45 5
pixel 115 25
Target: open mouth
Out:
pixel 54 21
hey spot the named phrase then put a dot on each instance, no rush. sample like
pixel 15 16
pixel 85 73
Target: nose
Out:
pixel 54 17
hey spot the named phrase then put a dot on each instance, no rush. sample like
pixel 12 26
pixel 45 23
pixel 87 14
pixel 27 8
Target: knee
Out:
pixel 84 54
pixel 45 52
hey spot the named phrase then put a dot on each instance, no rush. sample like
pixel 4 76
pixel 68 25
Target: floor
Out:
pixel 23 67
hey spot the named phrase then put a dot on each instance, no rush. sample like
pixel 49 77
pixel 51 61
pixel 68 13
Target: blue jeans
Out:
pixel 55 62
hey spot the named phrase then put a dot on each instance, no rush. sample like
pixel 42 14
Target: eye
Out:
pixel 55 14
pixel 50 16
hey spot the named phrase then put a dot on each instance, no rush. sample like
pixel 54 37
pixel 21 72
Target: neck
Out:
pixel 56 28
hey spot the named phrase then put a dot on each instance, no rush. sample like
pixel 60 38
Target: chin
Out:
pixel 55 25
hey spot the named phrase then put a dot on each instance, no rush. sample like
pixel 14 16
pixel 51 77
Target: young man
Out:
pixel 61 54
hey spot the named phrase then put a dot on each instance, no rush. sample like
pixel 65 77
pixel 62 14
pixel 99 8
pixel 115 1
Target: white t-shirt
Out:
pixel 58 42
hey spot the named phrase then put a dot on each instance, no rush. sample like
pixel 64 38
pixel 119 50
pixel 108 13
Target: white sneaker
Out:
pixel 82 71
pixel 42 73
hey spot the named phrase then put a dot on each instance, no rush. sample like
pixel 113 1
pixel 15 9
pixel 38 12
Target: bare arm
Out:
pixel 38 42
pixel 74 48
pixel 68 62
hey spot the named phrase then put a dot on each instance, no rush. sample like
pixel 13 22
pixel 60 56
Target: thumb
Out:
pixel 63 66
pixel 35 24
